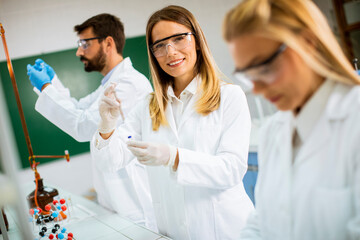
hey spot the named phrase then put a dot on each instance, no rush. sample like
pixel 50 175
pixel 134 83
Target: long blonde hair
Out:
pixel 299 24
pixel 205 66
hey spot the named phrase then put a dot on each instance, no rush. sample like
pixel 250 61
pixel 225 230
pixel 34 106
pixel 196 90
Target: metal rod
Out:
pixel 17 96
pixel 49 156
pixel 66 156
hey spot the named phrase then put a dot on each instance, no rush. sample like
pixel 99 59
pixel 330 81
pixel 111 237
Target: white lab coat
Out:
pixel 126 191
pixel 317 196
pixel 205 197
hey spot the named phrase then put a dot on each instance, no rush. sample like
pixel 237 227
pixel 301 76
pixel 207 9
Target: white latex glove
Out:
pixel 109 109
pixel 154 154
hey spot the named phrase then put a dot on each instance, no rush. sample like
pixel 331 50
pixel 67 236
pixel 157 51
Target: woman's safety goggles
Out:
pixel 177 41
pixel 266 71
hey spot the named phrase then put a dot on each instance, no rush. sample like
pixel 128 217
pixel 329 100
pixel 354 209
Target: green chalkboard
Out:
pixel 45 137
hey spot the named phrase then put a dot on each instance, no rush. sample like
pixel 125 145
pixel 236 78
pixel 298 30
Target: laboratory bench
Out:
pixel 87 220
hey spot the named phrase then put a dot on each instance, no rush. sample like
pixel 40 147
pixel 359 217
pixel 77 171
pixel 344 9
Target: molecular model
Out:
pixel 47 221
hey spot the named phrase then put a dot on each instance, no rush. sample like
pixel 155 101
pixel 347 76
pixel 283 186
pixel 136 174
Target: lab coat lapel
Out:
pixel 117 73
pixel 170 118
pixel 188 112
pixel 316 141
pixel 336 110
pixel 283 154
pixel 190 107
pixel 284 139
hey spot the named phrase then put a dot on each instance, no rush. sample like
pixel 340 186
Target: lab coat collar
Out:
pixel 119 69
pixel 170 94
pixel 191 88
pixel 170 119
pixel 338 104
pixel 107 76
pixel 312 110
pixel 336 109
pixel 285 123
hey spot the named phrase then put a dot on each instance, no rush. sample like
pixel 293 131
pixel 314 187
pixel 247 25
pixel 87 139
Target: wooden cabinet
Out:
pixel 348 19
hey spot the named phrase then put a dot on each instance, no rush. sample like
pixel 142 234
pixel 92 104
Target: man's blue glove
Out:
pixel 38 78
pixel 40 64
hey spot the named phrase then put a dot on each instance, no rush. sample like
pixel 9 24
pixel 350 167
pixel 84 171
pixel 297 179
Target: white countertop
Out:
pixel 88 221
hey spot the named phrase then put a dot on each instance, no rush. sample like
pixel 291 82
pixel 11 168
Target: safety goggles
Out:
pixel 177 41
pixel 83 43
pixel 266 71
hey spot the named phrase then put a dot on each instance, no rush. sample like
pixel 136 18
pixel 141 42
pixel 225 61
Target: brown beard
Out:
pixel 97 63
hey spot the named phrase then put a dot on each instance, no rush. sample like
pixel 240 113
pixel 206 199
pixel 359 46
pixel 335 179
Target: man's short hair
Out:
pixel 105 25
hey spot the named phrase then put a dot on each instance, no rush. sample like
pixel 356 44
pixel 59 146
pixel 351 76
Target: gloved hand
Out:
pixel 109 109
pixel 40 64
pixel 38 78
pixel 154 154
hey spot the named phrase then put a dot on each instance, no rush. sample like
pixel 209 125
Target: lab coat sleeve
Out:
pixel 112 154
pixel 80 118
pixel 75 118
pixel 228 166
pixel 126 92
pixel 58 85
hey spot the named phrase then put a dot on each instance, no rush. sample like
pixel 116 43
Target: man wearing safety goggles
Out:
pixel 100 48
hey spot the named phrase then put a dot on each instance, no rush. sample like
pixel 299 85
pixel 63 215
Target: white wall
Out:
pixel 61 173
pixel 41 26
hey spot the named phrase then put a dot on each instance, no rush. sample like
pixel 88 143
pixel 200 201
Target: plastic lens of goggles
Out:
pixel 245 82
pixel 178 42
pixel 83 43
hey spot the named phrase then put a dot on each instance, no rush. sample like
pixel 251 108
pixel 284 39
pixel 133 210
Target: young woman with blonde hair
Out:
pixel 309 156
pixel 192 133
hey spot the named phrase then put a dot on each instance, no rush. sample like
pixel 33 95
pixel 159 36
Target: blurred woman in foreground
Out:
pixel 309 155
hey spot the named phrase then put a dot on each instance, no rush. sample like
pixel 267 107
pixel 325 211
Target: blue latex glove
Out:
pixel 358 72
pixel 40 64
pixel 38 78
